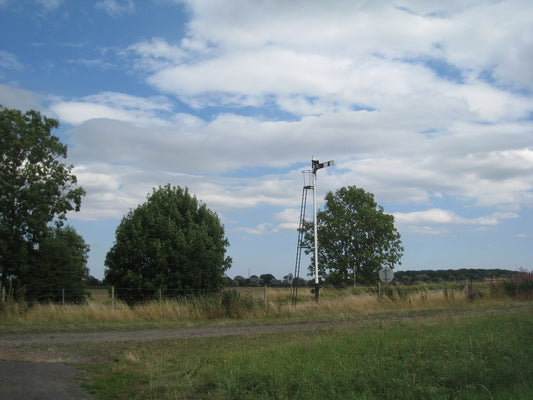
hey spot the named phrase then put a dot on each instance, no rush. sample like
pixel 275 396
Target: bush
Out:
pixel 235 305
pixel 521 286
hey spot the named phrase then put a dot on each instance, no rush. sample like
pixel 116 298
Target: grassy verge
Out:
pixel 477 357
pixel 233 307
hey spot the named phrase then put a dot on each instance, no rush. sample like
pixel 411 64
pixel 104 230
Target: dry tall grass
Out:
pixel 232 306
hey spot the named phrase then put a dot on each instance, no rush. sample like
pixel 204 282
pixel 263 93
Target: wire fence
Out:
pixel 520 287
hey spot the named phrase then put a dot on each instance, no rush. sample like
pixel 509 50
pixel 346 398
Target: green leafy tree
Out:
pixel 171 242
pixel 58 268
pixel 266 279
pixel 36 188
pixel 356 238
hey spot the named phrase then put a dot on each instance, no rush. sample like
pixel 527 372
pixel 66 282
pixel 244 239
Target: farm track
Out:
pixel 14 340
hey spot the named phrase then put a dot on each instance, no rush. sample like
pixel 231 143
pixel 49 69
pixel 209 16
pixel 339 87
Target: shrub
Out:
pixel 235 305
pixel 520 286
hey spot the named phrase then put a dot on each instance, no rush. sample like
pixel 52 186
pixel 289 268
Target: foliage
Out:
pixel 520 285
pixel 172 241
pixel 236 305
pixel 266 279
pixel 59 264
pixel 451 275
pixel 36 188
pixel 356 238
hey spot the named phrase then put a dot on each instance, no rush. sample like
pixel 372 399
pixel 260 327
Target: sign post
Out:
pixel 386 275
pixel 316 165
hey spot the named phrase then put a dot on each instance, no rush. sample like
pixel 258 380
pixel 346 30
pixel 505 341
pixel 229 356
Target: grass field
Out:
pixel 486 356
pixel 428 343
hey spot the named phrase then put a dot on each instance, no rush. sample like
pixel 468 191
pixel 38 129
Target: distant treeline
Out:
pixel 451 275
pixel 400 277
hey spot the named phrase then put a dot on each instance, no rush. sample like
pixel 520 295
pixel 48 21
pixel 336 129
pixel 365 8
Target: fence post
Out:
pixel 63 297
pixel 159 296
pixel 3 294
pixel 265 295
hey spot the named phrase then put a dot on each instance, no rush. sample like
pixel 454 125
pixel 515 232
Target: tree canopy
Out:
pixel 36 189
pixel 60 264
pixel 171 242
pixel 356 237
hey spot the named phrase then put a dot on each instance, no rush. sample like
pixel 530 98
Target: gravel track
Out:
pixel 23 339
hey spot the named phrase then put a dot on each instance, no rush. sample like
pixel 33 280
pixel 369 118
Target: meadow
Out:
pixel 433 342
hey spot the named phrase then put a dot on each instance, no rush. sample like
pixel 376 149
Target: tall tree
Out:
pixel 36 187
pixel 356 238
pixel 171 242
pixel 59 264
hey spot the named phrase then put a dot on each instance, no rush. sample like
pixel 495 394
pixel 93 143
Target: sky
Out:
pixel 426 104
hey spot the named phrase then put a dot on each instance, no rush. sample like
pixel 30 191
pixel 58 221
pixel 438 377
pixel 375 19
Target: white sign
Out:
pixel 386 275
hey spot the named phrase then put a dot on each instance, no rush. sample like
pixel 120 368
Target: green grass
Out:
pixel 483 356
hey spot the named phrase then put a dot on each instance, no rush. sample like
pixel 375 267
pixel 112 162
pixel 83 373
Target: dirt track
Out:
pixel 12 340
pixel 9 340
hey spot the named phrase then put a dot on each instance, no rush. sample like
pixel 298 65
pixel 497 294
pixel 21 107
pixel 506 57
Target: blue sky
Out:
pixel 428 105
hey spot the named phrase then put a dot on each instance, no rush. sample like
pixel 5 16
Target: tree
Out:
pixel 60 263
pixel 241 280
pixel 36 188
pixel 356 238
pixel 267 278
pixel 171 242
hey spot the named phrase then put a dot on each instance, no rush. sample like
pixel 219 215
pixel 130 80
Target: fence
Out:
pixel 520 287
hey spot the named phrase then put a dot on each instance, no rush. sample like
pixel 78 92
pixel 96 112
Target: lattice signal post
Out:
pixel 315 166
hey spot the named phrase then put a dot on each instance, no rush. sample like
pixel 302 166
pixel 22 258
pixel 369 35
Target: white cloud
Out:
pixel 437 216
pixel 490 104
pixel 116 8
pixel 490 165
pixel 49 5
pixel 501 45
pixel 359 81
pixel 9 61
pixel 12 97
pixel 112 105
pixel 314 59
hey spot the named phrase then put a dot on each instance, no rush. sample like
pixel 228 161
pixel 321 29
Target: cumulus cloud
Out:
pixel 415 102
pixel 344 53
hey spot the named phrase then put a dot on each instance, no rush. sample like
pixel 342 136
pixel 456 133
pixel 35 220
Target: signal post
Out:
pixel 316 165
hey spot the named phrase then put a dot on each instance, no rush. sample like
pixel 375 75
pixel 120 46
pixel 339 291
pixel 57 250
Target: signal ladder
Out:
pixel 300 246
